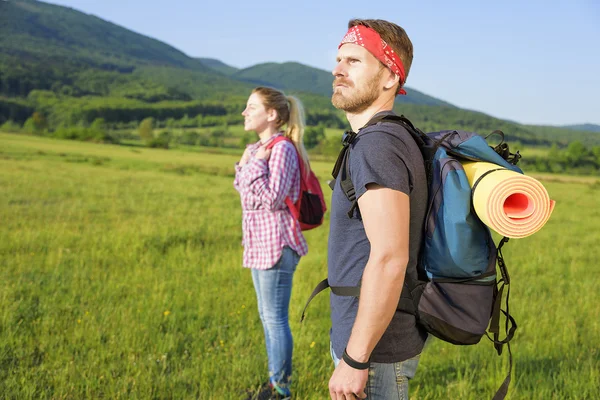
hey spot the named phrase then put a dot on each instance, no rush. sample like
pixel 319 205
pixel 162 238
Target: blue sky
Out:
pixel 529 61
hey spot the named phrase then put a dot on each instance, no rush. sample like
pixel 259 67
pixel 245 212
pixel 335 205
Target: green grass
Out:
pixel 122 279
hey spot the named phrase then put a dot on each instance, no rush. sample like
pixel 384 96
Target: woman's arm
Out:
pixel 271 178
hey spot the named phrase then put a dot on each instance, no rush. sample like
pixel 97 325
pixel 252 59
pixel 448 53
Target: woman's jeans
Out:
pixel 387 381
pixel 273 291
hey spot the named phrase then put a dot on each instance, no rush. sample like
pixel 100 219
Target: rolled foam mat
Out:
pixel 510 203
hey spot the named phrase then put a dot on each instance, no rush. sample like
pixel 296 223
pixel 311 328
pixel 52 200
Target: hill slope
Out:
pixel 218 65
pixel 35 30
pixel 583 127
pixel 45 46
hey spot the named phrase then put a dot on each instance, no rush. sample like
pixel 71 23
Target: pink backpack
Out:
pixel 310 207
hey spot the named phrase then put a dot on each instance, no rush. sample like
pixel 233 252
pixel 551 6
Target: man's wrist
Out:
pixel 354 363
pixel 357 350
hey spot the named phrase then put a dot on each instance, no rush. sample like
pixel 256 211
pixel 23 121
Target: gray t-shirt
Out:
pixel 387 155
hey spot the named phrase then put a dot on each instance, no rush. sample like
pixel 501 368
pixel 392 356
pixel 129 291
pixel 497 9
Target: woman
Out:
pixel 272 239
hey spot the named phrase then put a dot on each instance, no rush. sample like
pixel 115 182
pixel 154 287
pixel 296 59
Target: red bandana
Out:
pixel 370 40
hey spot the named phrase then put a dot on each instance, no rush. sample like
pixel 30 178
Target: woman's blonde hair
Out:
pixel 290 113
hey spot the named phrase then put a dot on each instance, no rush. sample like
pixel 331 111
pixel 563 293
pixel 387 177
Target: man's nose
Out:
pixel 338 69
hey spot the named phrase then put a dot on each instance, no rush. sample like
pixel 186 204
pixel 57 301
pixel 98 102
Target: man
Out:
pixel 375 346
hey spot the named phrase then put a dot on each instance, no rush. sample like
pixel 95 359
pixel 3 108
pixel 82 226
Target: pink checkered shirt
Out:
pixel 267 225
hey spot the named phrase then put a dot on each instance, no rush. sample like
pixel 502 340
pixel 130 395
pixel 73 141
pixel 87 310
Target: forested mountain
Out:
pixel 50 47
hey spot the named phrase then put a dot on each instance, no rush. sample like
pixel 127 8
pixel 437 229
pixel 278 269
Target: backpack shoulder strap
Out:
pixel 277 140
pixel 294 208
pixel 343 166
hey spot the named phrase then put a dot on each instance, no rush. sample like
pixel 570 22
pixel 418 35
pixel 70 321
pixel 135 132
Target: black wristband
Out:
pixel 353 363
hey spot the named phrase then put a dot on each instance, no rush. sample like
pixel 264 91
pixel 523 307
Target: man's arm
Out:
pixel 386 217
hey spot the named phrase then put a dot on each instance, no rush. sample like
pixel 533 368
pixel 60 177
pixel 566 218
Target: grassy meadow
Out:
pixel 122 279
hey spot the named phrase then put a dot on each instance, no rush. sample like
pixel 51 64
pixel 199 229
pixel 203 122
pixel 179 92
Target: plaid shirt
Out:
pixel 267 224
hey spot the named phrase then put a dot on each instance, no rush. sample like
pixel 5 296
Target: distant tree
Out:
pixel 187 122
pixel 36 124
pixel 246 139
pixel 554 153
pixel 40 123
pixel 41 97
pixel 171 123
pixel 98 132
pixel 225 127
pixel 218 132
pixel 162 141
pixel 576 153
pixel 146 130
pixel 189 138
pixel 596 153
pixel 217 136
pixel 313 135
pixel 10 126
pixel 99 125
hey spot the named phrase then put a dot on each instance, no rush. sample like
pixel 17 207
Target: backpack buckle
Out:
pixel 348 137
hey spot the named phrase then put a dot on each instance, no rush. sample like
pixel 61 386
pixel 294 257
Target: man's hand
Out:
pixel 263 153
pixel 348 383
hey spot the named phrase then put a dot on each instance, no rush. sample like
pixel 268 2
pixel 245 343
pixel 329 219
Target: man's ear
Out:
pixel 272 115
pixel 391 81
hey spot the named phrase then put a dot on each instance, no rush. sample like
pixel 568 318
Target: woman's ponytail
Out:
pixel 295 128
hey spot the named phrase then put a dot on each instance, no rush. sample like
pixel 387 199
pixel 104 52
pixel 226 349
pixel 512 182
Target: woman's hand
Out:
pixel 245 157
pixel 263 153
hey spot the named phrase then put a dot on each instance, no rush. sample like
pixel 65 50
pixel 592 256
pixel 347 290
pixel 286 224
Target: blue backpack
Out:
pixel 457 295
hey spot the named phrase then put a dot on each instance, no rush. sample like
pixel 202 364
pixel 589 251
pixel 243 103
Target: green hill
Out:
pixel 583 127
pixel 218 66
pixel 563 135
pixel 436 118
pixel 38 30
pixel 50 47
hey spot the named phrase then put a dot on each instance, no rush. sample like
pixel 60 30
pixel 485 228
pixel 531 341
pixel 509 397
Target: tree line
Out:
pixel 576 158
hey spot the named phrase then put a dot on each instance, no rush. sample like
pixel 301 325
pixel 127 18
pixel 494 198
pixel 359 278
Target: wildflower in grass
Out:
pixel 78 321
pixel 166 313
pixel 312 345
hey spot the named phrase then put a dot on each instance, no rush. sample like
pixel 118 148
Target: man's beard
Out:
pixel 361 99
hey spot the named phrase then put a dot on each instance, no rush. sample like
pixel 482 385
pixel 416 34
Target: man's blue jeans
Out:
pixel 273 291
pixel 387 381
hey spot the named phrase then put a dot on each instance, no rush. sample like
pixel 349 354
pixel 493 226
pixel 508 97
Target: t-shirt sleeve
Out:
pixel 380 158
